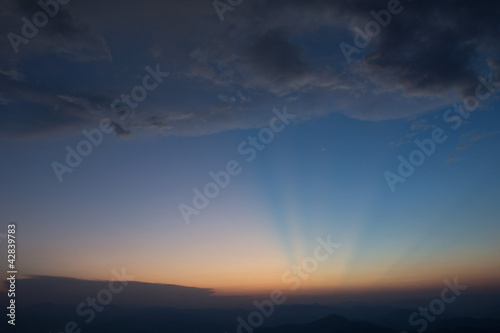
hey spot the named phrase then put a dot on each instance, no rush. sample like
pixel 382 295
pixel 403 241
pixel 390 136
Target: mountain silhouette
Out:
pixel 54 318
pixel 329 324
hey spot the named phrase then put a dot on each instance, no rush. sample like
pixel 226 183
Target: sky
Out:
pixel 383 141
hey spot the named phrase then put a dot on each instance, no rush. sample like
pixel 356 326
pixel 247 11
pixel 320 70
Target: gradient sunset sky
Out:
pixel 322 175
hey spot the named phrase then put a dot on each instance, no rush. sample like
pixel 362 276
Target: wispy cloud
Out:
pixel 227 75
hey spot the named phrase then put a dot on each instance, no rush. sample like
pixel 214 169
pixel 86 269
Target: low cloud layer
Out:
pixel 59 290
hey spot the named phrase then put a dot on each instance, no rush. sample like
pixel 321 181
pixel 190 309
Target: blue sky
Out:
pixel 322 175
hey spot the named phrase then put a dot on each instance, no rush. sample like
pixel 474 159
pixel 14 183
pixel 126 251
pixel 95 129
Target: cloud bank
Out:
pixel 229 75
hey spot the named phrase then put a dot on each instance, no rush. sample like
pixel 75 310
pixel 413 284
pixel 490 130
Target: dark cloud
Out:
pixel 434 47
pixel 429 48
pixel 276 58
pixel 60 290
pixel 120 131
pixel 230 75
pixel 64 34
pixel 32 110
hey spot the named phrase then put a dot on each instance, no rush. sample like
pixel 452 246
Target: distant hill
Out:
pixel 286 319
pixel 338 324
pixel 330 324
